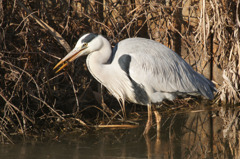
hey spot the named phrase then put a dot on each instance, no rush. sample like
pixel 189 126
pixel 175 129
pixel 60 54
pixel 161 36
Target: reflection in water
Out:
pixel 199 134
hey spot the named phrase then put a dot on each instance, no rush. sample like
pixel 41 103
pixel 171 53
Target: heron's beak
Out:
pixel 71 56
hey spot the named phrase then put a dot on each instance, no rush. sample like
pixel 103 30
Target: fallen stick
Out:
pixel 117 126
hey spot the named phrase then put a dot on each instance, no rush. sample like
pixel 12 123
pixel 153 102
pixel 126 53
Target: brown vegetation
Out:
pixel 34 35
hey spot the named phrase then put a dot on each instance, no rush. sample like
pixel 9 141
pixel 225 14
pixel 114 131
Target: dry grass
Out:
pixel 35 35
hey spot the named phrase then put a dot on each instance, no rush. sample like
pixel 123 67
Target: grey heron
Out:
pixel 139 70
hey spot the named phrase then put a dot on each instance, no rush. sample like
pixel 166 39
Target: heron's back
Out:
pixel 157 68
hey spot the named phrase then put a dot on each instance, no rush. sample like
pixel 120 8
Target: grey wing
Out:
pixel 159 69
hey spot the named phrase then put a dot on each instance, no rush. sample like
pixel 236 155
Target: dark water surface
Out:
pixel 196 134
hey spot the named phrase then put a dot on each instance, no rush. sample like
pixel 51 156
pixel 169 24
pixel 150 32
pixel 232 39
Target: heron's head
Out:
pixel 86 44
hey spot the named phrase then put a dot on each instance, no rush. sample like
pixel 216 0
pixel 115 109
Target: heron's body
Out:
pixel 147 75
pixel 140 70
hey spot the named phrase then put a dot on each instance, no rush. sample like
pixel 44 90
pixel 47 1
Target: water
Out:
pixel 196 134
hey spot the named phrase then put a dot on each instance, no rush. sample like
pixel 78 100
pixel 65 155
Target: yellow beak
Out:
pixel 71 56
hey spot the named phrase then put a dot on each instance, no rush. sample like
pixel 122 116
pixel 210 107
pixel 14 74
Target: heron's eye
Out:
pixel 85 45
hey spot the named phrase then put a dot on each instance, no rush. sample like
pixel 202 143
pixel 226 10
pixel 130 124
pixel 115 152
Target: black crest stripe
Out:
pixel 89 38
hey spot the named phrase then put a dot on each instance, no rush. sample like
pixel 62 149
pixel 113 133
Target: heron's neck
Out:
pixel 97 61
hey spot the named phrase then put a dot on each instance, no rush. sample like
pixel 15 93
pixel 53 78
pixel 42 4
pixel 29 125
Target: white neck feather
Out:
pixel 96 61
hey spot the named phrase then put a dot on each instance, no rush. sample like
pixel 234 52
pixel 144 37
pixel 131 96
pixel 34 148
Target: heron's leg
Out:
pixel 124 110
pixel 122 105
pixel 158 121
pixel 149 121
